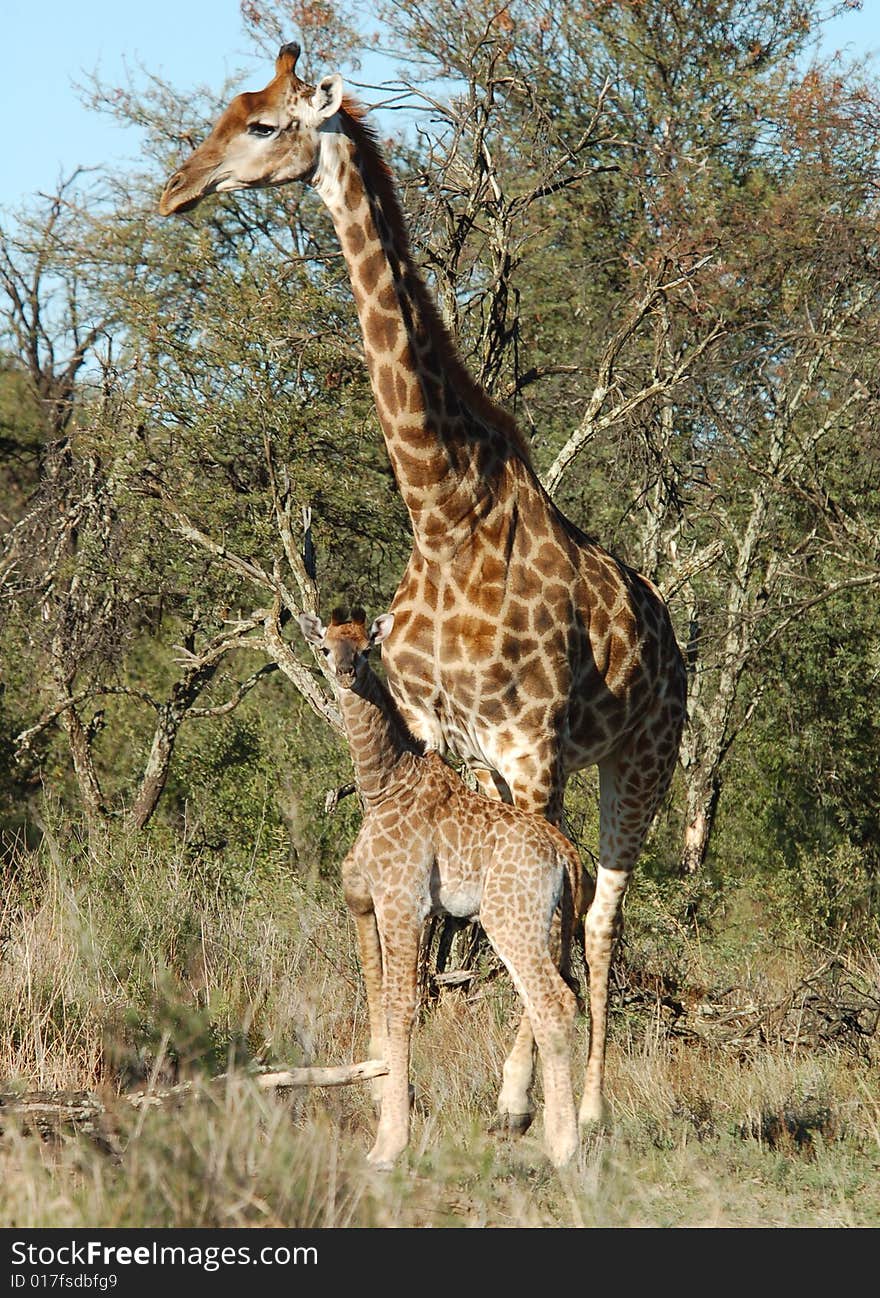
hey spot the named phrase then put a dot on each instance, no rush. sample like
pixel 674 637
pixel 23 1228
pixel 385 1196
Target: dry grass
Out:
pixel 124 966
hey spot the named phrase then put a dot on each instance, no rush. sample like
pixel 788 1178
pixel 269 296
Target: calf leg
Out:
pixel 514 1109
pixel 400 951
pixel 370 951
pixel 550 1010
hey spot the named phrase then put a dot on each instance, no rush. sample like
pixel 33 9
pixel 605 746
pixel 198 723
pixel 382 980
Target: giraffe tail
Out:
pixel 578 888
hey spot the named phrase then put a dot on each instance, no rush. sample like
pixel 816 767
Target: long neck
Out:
pixel 377 736
pixel 447 442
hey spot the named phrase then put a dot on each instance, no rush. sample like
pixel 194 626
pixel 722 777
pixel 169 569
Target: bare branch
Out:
pixel 532 376
pixel 592 423
pixel 189 531
pixel 47 1110
pixel 231 703
pixel 300 675
pixel 24 740
pixel 326 1075
pixel 695 563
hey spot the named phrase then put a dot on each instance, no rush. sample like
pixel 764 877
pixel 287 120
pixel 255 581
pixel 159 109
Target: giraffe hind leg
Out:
pixel 600 929
pixel 632 785
pixel 519 925
pixel 515 1110
pixel 514 1106
pixel 550 1011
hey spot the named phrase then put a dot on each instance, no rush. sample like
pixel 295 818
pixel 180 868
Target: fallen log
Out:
pixel 47 1110
pixel 340 1075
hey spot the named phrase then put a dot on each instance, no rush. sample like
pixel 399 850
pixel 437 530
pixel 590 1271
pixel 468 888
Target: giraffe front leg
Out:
pixel 360 902
pixel 370 952
pixel 632 784
pixel 401 952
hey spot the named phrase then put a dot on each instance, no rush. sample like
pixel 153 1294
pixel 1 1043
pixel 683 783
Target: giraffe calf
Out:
pixel 429 845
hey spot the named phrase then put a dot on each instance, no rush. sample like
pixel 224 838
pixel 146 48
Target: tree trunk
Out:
pixel 171 717
pixel 702 803
pixel 84 767
pixel 158 765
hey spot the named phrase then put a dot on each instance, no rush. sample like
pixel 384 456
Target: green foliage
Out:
pixel 254 787
pixel 830 899
pixel 587 155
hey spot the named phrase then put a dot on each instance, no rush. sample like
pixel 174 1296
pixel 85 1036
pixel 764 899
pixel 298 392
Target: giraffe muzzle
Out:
pixel 167 205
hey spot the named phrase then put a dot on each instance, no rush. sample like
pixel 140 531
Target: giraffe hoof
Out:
pixel 593 1117
pixel 381 1162
pixel 510 1124
pixel 561 1158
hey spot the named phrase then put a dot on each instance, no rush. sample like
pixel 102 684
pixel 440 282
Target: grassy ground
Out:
pixel 126 966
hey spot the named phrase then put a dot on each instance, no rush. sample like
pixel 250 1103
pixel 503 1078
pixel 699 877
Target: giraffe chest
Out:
pixel 474 661
pixel 520 648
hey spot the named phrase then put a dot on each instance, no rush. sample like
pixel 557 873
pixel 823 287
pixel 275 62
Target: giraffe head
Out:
pixel 266 137
pixel 346 642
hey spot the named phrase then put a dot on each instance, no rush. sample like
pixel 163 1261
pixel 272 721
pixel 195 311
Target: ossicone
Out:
pixel 287 57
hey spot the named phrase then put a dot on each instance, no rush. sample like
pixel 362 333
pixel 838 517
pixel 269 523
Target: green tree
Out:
pixel 652 228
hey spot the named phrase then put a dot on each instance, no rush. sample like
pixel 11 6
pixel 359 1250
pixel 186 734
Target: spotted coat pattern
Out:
pixel 429 845
pixel 519 643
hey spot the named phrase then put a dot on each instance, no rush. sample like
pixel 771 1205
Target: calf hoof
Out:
pixel 593 1115
pixel 381 1160
pixel 511 1124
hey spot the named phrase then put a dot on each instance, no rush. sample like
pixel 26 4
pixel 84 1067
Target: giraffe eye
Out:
pixel 262 129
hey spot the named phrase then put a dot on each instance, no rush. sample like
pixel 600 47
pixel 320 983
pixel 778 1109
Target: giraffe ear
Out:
pixel 381 628
pixel 312 628
pixel 328 97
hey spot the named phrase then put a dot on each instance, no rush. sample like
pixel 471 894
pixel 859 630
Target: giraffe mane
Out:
pixel 383 185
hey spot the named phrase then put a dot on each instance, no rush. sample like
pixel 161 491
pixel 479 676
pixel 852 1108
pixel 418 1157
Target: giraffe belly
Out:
pixel 462 854
pixel 457 896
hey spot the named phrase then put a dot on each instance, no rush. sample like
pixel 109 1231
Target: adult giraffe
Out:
pixel 518 643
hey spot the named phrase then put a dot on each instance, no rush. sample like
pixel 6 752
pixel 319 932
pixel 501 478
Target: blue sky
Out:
pixel 51 44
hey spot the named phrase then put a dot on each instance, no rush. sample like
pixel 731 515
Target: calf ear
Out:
pixel 312 628
pixel 381 628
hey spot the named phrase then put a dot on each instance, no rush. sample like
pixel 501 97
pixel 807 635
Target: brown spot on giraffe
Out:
pixel 355 238
pixel 382 330
pixel 370 270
